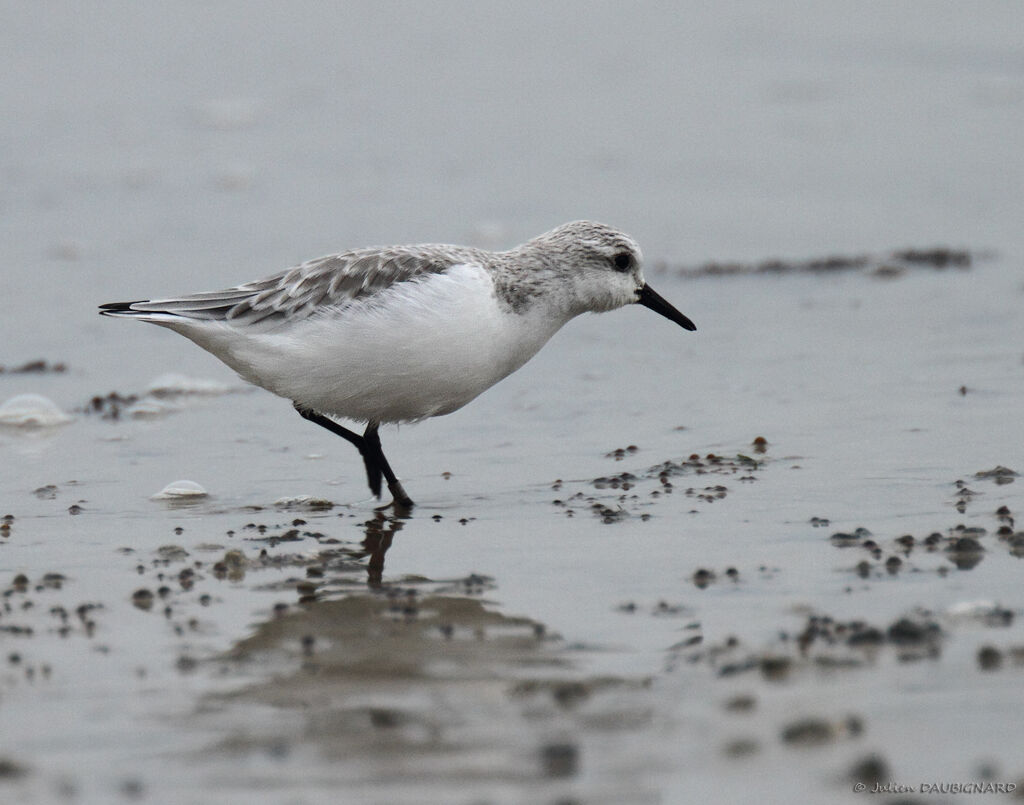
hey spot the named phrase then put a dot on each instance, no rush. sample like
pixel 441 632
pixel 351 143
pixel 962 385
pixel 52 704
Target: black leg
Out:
pixel 373 469
pixel 372 442
pixel 369 448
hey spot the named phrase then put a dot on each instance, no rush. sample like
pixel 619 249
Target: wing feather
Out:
pixel 301 291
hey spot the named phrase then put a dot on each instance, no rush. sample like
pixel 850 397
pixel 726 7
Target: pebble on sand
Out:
pixel 181 490
pixel 32 411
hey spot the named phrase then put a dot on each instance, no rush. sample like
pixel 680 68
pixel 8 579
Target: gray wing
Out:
pixel 298 292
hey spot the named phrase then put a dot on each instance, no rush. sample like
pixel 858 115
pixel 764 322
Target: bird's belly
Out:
pixel 423 349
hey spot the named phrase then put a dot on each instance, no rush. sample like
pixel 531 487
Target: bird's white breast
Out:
pixel 420 348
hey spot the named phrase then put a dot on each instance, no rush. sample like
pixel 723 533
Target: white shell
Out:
pixel 32 411
pixel 179 490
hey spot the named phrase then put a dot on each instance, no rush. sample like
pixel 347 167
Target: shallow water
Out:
pixel 529 634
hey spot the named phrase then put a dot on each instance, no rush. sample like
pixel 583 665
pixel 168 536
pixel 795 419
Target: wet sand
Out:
pixel 788 611
pixel 773 560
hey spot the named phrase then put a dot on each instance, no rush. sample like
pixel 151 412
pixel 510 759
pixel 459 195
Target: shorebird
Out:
pixel 403 333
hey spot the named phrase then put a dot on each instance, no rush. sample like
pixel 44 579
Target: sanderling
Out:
pixel 402 333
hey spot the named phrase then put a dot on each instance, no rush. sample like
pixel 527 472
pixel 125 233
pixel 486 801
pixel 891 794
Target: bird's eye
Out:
pixel 623 261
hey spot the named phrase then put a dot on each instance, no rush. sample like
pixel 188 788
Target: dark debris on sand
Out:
pixel 893 264
pixel 110 406
pixel 965 546
pixel 636 492
pixel 823 642
pixel 36 367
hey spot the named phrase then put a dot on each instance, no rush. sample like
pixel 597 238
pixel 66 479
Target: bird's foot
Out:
pixel 401 502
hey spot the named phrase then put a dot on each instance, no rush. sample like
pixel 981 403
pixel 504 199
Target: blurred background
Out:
pixel 154 149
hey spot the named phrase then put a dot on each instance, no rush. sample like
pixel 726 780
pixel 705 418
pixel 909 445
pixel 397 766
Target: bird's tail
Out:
pixel 118 308
pixel 130 310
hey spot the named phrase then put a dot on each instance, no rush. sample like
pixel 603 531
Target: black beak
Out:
pixel 648 298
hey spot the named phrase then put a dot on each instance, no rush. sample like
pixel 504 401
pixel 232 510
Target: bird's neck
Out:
pixel 530 281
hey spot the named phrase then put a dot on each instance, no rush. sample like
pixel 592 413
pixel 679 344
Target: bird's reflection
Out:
pixel 379 533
